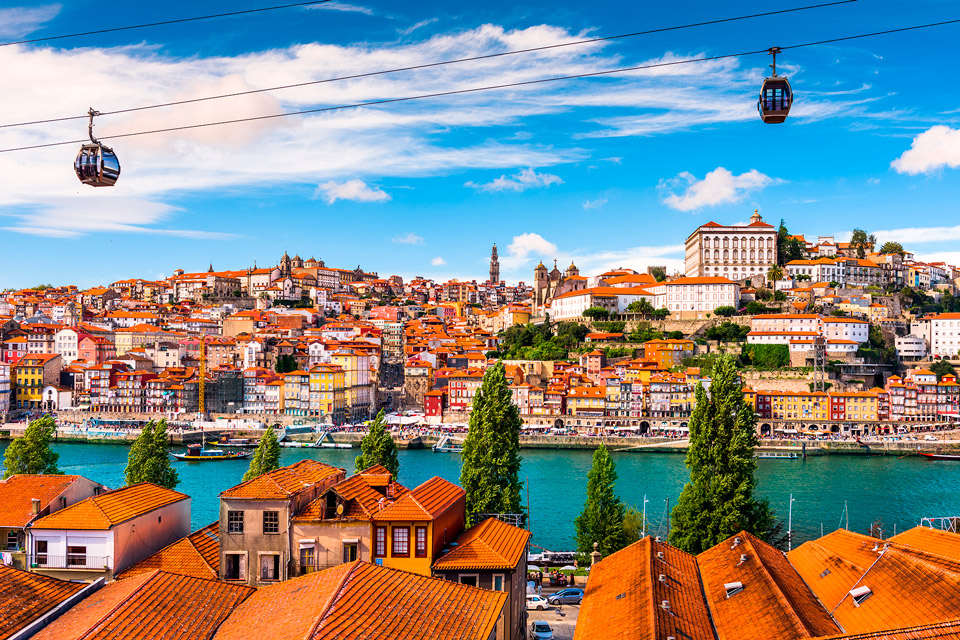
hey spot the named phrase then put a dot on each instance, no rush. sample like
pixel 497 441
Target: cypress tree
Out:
pixel 31 453
pixel 267 456
pixel 378 447
pixel 491 453
pixel 718 501
pixel 148 460
pixel 602 518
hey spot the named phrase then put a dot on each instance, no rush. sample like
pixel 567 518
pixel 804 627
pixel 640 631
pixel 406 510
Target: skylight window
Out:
pixel 733 588
pixel 860 594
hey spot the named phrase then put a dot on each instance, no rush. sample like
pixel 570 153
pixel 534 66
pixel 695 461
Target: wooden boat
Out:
pixel 197 453
pixel 940 456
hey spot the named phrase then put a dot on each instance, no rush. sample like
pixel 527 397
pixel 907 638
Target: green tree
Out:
pixel 148 459
pixel 779 296
pixel 378 447
pixel 725 311
pixel 491 453
pixel 775 273
pixel 633 525
pixel 601 520
pixel 659 274
pixel 718 501
pixel 862 242
pixel 642 306
pixel 891 247
pixel 285 364
pixel 266 458
pixel 661 314
pixel 31 453
pixel 943 368
pixel 596 313
pixel 766 356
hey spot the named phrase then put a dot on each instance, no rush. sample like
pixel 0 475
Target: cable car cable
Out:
pixel 165 22
pixel 441 63
pixel 591 74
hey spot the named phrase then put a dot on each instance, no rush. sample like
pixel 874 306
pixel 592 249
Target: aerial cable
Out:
pixel 592 74
pixel 429 65
pixel 165 22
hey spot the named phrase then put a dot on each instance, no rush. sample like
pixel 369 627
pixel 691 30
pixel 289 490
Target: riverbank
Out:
pixel 946 442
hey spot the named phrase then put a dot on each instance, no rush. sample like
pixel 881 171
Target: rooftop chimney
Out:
pixel 35 506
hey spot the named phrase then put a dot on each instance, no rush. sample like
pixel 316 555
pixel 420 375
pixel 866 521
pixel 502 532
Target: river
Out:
pixel 897 491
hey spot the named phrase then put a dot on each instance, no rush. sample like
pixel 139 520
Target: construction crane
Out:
pixel 203 373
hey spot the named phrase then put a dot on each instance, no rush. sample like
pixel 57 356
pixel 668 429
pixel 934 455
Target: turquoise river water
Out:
pixel 897 491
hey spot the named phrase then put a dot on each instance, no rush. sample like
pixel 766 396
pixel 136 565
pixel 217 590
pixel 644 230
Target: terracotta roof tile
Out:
pixel 361 494
pixel 939 630
pixel 492 544
pixel 111 508
pixel 361 600
pixel 624 596
pixel 196 555
pixel 774 602
pixel 426 502
pixel 941 543
pixel 17 493
pixel 154 606
pixel 284 482
pixel 25 596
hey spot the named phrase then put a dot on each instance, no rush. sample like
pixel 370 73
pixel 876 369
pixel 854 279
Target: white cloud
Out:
pixel 720 186
pixel 916 235
pixel 594 204
pixel 418 25
pixel 526 179
pixel 343 6
pixel 407 238
pixel 438 262
pixel 524 249
pixel 17 22
pixel 60 217
pixel 355 190
pixel 934 149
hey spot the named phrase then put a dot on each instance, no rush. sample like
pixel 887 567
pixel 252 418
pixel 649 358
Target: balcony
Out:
pixel 70 561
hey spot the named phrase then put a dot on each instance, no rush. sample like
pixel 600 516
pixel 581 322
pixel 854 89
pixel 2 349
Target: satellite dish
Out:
pixel 339 509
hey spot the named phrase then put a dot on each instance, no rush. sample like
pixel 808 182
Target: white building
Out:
pixel 944 334
pixel 734 252
pixel 853 329
pixel 786 328
pixel 572 304
pixel 103 535
pixel 911 347
pixel 694 298
pixel 819 270
pixel 67 344
pixel 5 388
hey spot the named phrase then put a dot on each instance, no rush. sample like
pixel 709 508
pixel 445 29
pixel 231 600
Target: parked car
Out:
pixel 929 437
pixel 572 595
pixel 541 631
pixel 536 602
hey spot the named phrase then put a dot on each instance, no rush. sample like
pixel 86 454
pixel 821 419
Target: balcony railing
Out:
pixel 70 561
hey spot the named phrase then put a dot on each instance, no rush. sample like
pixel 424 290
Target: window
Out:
pixel 76 556
pixel 307 558
pixel 270 566
pixel 13 541
pixel 40 548
pixel 401 542
pixel 271 522
pixel 421 549
pixel 235 566
pixel 234 521
pixel 470 579
pixel 498 583
pixel 350 551
pixel 380 542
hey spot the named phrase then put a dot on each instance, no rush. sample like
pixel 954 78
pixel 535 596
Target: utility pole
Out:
pixel 790 526
pixel 668 518
pixel 645 501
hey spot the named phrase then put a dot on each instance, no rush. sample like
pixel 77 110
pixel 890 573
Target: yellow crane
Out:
pixel 203 372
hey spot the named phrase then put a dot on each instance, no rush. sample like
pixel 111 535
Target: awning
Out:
pixel 790 431
pixel 308 542
pixel 351 540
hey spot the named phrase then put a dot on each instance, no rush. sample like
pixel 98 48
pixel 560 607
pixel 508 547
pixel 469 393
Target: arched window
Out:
pixel 726 254
pixel 753 242
pixel 769 254
pixel 706 255
pixel 734 255
pixel 769 243
pixel 716 242
pixel 716 254
pixel 726 242
pixel 752 258
pixel 743 241
pixel 735 242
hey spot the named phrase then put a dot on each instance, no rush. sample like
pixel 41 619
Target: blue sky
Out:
pixel 613 171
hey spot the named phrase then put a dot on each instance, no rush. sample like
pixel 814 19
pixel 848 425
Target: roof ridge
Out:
pixel 778 591
pixel 652 599
pixel 90 630
pixel 334 594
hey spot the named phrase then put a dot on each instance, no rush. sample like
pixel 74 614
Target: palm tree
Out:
pixel 774 274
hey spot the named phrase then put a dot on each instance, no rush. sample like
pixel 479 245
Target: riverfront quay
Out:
pixel 897 491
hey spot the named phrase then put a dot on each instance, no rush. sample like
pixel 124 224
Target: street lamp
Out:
pixel 790 526
pixel 645 501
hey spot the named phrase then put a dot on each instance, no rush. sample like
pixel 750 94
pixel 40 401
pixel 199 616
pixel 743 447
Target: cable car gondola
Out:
pixel 96 164
pixel 776 97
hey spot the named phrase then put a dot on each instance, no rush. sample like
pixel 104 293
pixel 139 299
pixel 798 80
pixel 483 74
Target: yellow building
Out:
pixel 31 374
pixel 800 405
pixel 328 392
pixel 586 401
pixel 358 390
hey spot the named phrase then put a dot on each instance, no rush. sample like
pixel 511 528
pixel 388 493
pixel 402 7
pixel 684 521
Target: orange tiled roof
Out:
pixel 492 544
pixel 774 603
pixel 941 543
pixel 155 606
pixel 26 596
pixel 17 493
pixel 426 502
pixel 624 596
pixel 361 600
pixel 939 630
pixel 196 555
pixel 111 508
pixel 362 494
pixel 908 586
pixel 284 482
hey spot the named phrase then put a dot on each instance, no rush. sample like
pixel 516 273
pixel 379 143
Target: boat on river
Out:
pixel 446 444
pixel 778 455
pixel 198 453
pixel 940 456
